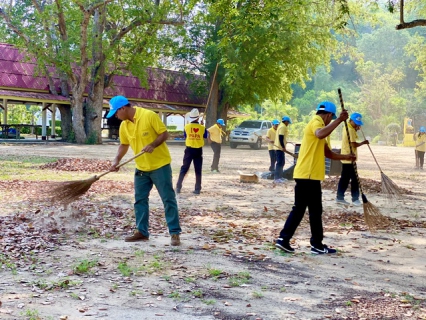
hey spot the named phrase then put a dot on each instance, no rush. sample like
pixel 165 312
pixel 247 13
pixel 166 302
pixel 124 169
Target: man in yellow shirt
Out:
pixel 308 174
pixel 420 139
pixel 348 170
pixel 270 138
pixel 280 147
pixel 143 130
pixel 194 134
pixel 215 139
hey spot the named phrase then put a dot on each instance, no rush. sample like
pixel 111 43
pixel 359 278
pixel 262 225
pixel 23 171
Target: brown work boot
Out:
pixel 175 240
pixel 137 236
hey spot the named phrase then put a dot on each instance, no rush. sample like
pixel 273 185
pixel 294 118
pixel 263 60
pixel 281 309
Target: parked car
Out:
pixel 249 132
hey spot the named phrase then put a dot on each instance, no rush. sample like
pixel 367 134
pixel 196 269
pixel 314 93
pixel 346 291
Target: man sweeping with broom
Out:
pixel 308 174
pixel 144 132
pixel 348 171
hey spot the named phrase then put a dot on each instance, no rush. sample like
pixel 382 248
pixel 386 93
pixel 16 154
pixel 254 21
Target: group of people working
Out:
pixel 143 130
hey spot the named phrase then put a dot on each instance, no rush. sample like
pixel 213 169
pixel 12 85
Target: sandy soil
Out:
pixel 227 267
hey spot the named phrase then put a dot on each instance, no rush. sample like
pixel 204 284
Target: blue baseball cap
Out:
pixel 221 122
pixel 286 118
pixel 275 122
pixel 327 106
pixel 357 118
pixel 116 103
pixel 422 129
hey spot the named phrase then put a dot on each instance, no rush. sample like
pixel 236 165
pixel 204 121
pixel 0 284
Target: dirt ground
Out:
pixel 227 266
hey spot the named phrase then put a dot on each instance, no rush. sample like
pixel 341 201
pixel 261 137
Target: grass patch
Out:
pixel 124 269
pixel 84 266
pixel 239 279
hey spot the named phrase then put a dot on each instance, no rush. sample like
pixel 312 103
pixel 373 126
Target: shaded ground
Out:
pixel 72 263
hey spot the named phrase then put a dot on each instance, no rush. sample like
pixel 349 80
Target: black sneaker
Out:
pixel 323 250
pixel 196 192
pixel 284 246
pixel 177 190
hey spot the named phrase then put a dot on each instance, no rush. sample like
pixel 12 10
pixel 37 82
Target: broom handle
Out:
pixel 374 157
pixel 288 152
pixel 349 139
pixel 371 150
pixel 121 164
pixel 211 88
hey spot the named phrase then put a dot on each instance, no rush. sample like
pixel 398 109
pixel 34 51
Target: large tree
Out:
pixel 261 47
pixel 88 42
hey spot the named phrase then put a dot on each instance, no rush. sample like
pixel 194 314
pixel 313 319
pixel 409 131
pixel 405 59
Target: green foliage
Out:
pixel 84 266
pixel 124 269
pixel 31 314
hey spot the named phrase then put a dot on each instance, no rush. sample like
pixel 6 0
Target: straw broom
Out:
pixel 66 192
pixel 372 215
pixel 389 188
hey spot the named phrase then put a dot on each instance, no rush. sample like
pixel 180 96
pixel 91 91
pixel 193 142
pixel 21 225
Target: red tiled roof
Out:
pixel 18 71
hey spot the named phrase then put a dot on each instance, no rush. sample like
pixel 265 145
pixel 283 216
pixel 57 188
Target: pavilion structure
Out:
pixel 168 92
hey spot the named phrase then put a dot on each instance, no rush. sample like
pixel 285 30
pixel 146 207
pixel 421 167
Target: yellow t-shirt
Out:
pixel 194 135
pixel 216 133
pixel 419 140
pixel 311 161
pixel 283 131
pixel 345 142
pixel 146 128
pixel 271 136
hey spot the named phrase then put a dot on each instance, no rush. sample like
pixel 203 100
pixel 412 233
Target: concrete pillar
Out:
pixel 43 122
pixel 4 111
pixel 53 127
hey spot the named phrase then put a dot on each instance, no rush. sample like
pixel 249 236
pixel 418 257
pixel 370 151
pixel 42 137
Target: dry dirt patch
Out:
pixel 226 267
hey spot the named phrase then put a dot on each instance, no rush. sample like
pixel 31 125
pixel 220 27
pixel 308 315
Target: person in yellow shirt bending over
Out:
pixel 348 170
pixel 143 130
pixel 280 147
pixel 194 134
pixel 215 139
pixel 420 139
pixel 308 174
pixel 270 138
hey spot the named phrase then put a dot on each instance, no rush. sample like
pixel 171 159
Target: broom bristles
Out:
pixel 373 217
pixel 69 191
pixel 390 188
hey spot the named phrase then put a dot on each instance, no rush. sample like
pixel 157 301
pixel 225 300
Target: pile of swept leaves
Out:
pixel 74 164
pixel 384 306
pixel 368 185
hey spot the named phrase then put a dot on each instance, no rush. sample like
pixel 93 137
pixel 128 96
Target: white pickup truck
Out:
pixel 249 132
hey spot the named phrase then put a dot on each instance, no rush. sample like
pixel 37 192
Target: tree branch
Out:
pixel 136 23
pixel 411 24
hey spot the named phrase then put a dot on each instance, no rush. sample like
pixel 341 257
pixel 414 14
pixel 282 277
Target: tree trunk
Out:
pixel 78 117
pixel 93 110
pixel 66 121
pixel 65 110
pixel 93 117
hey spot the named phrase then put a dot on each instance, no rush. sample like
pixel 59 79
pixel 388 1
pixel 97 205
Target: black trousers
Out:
pixel 216 147
pixel 307 194
pixel 191 155
pixel 348 174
